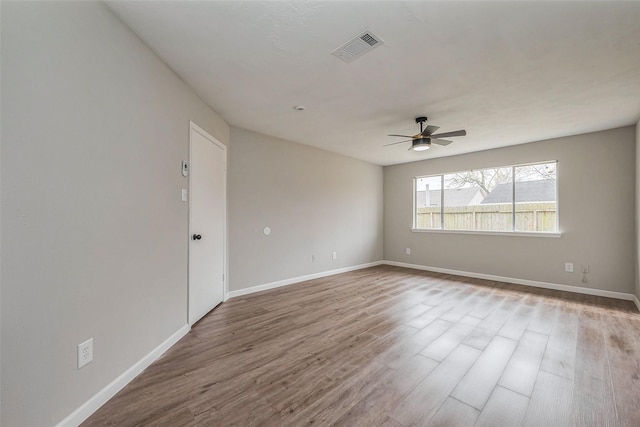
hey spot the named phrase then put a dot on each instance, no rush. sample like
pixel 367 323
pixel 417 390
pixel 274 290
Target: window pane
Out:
pixel 428 193
pixel 536 202
pixel 479 200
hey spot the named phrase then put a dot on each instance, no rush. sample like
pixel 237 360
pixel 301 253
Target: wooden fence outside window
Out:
pixel 533 217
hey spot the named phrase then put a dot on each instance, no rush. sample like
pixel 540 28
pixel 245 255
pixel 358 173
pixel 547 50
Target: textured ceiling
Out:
pixel 507 72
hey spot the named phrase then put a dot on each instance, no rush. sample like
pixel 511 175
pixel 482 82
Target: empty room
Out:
pixel 336 213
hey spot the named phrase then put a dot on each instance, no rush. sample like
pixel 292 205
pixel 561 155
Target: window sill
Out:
pixel 491 233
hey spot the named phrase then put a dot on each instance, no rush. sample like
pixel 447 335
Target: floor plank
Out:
pixel 422 403
pixel 517 324
pixel 622 344
pixel 550 403
pixel 593 398
pixel 454 413
pixel 504 408
pixel 440 348
pixel 522 370
pixel 560 355
pixel 477 385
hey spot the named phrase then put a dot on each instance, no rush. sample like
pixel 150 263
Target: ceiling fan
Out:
pixel 423 140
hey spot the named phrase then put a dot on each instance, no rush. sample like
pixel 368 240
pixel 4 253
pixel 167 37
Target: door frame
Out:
pixel 193 127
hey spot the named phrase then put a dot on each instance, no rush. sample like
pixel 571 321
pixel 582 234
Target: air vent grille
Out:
pixel 367 38
pixel 357 46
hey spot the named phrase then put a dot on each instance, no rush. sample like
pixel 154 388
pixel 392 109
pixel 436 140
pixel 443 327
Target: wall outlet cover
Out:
pixel 85 352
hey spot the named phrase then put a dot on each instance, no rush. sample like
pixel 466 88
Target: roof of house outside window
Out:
pixel 453 197
pixel 543 190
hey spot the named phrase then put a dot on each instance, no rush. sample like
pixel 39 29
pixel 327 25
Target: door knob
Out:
pixel 196 237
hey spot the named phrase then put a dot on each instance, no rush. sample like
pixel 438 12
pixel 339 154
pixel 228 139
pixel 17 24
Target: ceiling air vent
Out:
pixel 357 46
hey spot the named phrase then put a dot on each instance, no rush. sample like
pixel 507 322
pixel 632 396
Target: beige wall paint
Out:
pixel 597 203
pixel 94 240
pixel 314 201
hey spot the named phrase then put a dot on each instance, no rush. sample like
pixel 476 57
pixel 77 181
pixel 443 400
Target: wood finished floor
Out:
pixel 388 346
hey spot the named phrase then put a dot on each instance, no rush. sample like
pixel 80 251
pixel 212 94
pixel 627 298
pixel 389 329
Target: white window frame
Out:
pixel 513 232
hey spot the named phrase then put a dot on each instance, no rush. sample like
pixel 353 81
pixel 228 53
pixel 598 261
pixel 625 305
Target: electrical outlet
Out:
pixel 335 255
pixel 85 352
pixel 407 251
pixel 568 267
pixel 313 258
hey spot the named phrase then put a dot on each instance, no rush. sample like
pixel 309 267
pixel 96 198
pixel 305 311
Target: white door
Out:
pixel 207 223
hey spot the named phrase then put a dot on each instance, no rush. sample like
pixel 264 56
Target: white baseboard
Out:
pixel 534 283
pixel 635 299
pixel 299 279
pixel 100 398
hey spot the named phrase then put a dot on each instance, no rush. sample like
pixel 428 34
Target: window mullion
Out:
pixel 513 198
pixel 442 202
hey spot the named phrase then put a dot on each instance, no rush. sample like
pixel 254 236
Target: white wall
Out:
pixel 94 241
pixel 314 201
pixel 596 205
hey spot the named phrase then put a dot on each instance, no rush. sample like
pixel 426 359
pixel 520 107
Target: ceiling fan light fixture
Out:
pixel 427 136
pixel 422 144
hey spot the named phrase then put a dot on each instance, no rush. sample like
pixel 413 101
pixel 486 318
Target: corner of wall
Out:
pixel 637 213
pixel 0 221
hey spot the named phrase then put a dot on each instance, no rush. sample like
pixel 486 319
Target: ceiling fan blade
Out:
pixel 399 142
pixel 442 142
pixel 454 133
pixel 402 136
pixel 429 130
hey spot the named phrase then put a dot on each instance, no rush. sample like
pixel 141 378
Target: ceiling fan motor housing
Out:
pixel 421 144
